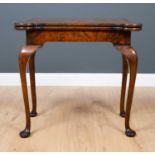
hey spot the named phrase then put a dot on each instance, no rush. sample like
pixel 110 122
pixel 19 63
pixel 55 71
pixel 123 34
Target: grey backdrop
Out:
pixel 77 57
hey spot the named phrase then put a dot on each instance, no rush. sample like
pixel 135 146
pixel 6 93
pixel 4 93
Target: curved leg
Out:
pixel 24 57
pixel 33 113
pixel 123 89
pixel 131 56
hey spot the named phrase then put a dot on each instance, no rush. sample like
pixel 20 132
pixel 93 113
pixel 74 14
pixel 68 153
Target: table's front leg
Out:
pixel 130 54
pixel 27 55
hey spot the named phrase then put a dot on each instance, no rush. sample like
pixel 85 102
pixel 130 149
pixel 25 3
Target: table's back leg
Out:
pixel 33 113
pixel 132 58
pixel 133 62
pixel 24 57
pixel 123 89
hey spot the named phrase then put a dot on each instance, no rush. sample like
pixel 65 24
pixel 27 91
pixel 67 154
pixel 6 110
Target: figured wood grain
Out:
pixel 40 31
pixel 41 37
pixel 77 119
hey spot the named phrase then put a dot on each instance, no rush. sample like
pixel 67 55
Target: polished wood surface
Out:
pixel 41 37
pixel 78 24
pixel 116 31
pixel 77 119
pixel 130 55
pixel 27 56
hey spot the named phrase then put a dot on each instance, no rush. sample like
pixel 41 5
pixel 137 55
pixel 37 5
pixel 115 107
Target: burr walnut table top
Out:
pixel 78 24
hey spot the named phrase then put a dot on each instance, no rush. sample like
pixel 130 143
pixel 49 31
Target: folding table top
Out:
pixel 78 24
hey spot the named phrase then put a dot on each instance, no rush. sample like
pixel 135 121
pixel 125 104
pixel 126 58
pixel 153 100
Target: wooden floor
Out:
pixel 77 119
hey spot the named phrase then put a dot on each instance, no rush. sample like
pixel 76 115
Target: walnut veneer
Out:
pixel 116 31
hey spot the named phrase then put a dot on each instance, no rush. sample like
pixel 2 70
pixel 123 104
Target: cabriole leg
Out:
pixel 131 56
pixel 24 57
pixel 123 89
pixel 33 113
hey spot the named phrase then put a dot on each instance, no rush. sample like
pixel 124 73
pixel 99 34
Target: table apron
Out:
pixel 39 37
